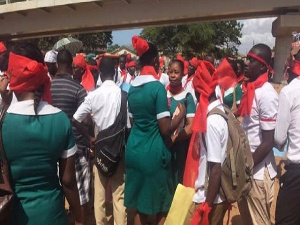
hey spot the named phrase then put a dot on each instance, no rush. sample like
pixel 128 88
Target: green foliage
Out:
pixel 219 38
pixel 91 42
pixel 112 48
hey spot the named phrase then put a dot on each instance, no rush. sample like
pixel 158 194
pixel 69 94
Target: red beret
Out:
pixel 140 45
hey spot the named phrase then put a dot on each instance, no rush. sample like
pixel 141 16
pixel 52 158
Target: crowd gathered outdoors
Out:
pixel 140 127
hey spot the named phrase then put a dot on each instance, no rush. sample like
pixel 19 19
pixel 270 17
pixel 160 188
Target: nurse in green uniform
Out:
pixel 181 137
pixel 36 136
pixel 148 182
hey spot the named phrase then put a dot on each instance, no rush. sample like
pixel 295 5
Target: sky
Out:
pixel 254 31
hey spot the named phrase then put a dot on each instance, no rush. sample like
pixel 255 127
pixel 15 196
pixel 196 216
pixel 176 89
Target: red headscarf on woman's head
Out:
pixel 194 62
pixel 225 75
pixel 27 75
pixel 87 80
pixel 179 57
pixel 2 47
pixel 140 45
pixel 130 64
pixel 296 67
pixel 209 66
pixel 205 85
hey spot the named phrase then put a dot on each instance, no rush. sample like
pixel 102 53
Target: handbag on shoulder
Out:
pixel 6 192
pixel 111 141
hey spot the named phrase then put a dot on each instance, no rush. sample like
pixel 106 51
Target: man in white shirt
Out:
pixel 259 107
pixel 288 129
pixel 104 105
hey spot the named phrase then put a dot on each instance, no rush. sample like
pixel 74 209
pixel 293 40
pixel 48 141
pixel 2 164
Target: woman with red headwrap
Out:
pixel 36 136
pixel 148 181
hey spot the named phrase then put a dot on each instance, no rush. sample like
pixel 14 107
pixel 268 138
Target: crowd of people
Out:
pixel 57 105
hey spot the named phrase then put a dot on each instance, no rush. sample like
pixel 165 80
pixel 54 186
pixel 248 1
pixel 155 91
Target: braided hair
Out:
pixel 31 51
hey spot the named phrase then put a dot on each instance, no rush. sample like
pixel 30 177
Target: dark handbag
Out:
pixel 111 141
pixel 6 192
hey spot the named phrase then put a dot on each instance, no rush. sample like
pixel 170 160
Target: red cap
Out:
pixel 140 45
pixel 79 61
pixel 2 47
pixel 194 62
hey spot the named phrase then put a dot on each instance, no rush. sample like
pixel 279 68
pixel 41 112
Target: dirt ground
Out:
pixel 235 218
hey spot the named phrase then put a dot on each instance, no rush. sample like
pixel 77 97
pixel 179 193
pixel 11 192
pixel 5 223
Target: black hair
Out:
pixel 107 67
pixel 52 68
pixel 31 51
pixel 92 62
pixel 241 62
pixel 64 58
pixel 123 56
pixel 180 63
pixel 147 58
pixel 292 75
pixel 4 66
pixel 233 65
pixel 264 51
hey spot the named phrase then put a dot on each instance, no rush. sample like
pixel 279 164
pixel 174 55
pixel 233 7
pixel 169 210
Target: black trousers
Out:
pixel 288 200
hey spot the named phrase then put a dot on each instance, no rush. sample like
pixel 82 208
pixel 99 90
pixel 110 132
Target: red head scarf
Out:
pixel 2 47
pixel 140 45
pixel 128 58
pixel 296 67
pixel 204 84
pixel 87 81
pixel 225 75
pixel 261 60
pixel 194 62
pixel 132 63
pixel 179 57
pixel 27 75
pixel 209 66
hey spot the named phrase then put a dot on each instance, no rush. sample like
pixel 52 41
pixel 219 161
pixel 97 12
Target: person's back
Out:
pixel 67 95
pixel 33 157
pixel 43 137
pixel 104 105
pixel 287 132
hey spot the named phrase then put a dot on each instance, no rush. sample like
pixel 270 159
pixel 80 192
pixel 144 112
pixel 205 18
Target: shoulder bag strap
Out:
pixel 3 155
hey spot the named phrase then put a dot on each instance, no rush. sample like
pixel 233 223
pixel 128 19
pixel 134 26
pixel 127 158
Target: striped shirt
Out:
pixel 68 95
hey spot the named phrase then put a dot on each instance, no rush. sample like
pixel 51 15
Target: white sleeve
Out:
pixel 213 138
pixel 268 108
pixel 283 120
pixel 84 109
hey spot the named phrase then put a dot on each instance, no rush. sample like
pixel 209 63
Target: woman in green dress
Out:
pixel 36 136
pixel 148 182
pixel 181 137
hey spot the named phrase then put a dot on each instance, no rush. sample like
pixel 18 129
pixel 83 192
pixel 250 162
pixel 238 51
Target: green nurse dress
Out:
pixel 148 181
pixel 179 149
pixel 33 145
pixel 228 95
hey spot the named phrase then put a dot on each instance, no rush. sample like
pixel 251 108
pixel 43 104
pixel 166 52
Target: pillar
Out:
pixel 282 29
pixel 282 50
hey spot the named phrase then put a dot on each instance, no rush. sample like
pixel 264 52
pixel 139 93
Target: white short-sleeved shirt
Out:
pixel 104 104
pixel 263 117
pixel 288 120
pixel 164 79
pixel 216 138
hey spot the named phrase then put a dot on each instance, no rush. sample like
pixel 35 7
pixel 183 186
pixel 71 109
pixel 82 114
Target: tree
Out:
pixel 219 38
pixel 93 42
pixel 112 48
